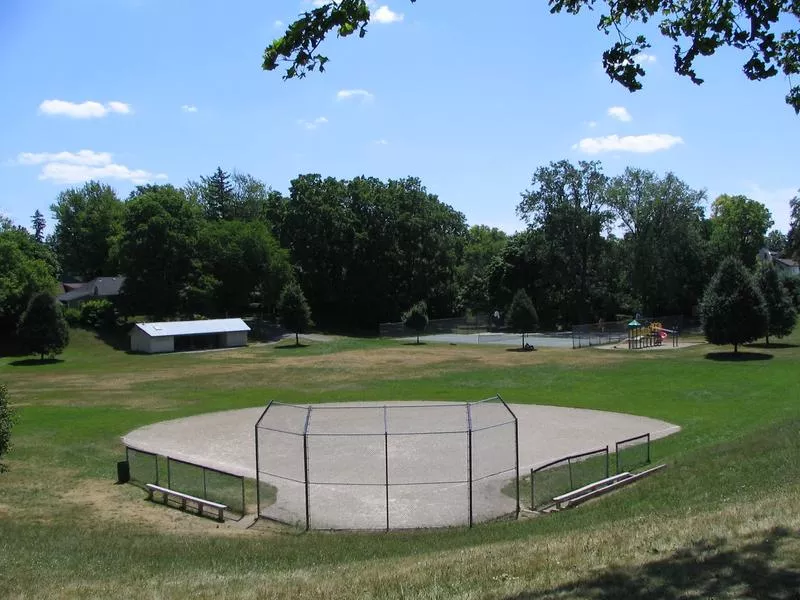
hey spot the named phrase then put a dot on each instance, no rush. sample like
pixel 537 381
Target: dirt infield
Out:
pixel 226 440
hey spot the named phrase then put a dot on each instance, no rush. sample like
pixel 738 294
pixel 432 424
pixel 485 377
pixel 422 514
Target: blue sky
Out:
pixel 469 99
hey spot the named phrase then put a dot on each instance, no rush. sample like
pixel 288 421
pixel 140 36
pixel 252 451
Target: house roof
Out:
pixel 169 328
pixel 787 262
pixel 106 286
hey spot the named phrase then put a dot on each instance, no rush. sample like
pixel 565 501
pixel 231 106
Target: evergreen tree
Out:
pixel 780 308
pixel 416 318
pixel 6 423
pixel 522 316
pixel 293 310
pixel 38 222
pixel 217 196
pixel 733 309
pixel 43 329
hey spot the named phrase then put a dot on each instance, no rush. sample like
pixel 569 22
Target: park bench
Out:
pixel 184 498
pixel 601 487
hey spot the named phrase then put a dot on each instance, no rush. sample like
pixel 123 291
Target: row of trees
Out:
pixel 364 250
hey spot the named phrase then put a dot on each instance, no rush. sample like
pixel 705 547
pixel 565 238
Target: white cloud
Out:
pixel 591 124
pixel 384 14
pixel 278 24
pixel 348 94
pixel 189 108
pixel 77 167
pixel 81 157
pixel 643 144
pixel 310 125
pixel 620 113
pixel 381 142
pixel 84 110
pixel 643 57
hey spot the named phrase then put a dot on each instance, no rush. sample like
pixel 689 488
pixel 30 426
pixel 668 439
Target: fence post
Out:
pixel 607 473
pixel 648 448
pixel 305 469
pixel 516 458
pixel 244 506
pixel 616 456
pixel 386 459
pixel 569 469
pixel 469 458
pixel 533 505
pixel 205 486
pixel 258 475
pixel 169 474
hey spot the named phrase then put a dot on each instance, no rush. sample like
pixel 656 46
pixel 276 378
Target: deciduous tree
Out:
pixel 42 328
pixel 764 29
pixel 733 309
pixel 781 312
pixel 521 315
pixel 738 228
pixel 293 310
pixel 88 220
pixel 416 318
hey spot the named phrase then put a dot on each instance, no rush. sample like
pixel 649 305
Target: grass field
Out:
pixel 721 521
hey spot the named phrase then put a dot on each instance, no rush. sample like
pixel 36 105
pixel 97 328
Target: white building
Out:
pixel 188 335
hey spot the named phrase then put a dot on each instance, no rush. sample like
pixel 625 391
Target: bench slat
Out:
pixel 163 490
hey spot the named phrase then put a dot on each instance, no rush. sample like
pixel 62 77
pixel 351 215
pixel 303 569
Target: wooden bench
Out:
pixel 184 498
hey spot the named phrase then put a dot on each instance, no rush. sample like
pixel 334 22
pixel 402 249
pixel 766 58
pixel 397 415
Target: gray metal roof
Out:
pixel 99 287
pixel 168 328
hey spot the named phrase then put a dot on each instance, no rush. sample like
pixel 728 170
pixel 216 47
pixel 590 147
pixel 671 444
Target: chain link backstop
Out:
pixel 394 466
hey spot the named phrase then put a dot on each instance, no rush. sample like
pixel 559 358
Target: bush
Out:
pixel 73 316
pixel 98 314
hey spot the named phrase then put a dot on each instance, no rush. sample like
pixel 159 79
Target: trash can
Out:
pixel 123 471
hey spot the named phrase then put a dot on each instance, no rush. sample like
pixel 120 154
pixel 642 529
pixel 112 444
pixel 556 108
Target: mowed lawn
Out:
pixel 721 521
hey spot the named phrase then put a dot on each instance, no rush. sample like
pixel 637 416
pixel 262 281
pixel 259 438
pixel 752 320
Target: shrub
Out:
pixel 72 316
pixel 98 314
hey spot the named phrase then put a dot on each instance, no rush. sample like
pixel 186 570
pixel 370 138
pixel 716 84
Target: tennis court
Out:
pixel 544 340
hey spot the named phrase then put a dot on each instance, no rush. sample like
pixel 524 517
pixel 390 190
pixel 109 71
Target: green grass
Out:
pixel 731 484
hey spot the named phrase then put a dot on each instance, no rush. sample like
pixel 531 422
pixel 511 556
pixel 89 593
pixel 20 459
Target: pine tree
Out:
pixel 218 196
pixel 416 318
pixel 293 310
pixel 522 316
pixel 733 309
pixel 38 222
pixel 42 328
pixel 780 308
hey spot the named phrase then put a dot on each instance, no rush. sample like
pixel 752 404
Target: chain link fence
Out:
pixel 397 466
pixel 575 471
pixel 470 324
pixel 188 478
pixel 613 332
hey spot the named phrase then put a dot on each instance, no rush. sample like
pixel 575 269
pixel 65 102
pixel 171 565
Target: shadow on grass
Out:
pixel 35 362
pixel 773 346
pixel 293 346
pixel 416 343
pixel 707 569
pixel 521 349
pixel 738 356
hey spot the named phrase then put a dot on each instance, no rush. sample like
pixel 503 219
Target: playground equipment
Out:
pixel 649 335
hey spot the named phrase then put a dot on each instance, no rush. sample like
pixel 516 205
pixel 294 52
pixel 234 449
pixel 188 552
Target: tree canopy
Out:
pixel 293 310
pixel 781 313
pixel 733 309
pixel 42 328
pixel 765 30
pixel 416 318
pixel 739 227
pixel 521 316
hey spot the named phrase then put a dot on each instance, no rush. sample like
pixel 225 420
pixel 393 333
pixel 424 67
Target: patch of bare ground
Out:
pixel 108 504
